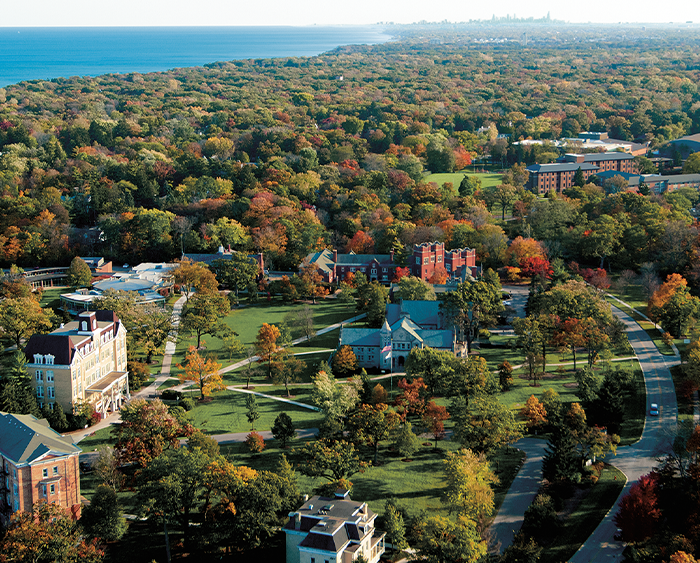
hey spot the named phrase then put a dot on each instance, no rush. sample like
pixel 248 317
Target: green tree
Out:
pixel 332 460
pixel 675 315
pixel 22 317
pixel 371 424
pixel 440 540
pixel 395 527
pixel 16 392
pixel 506 195
pixel 436 367
pixel 469 186
pixel 237 273
pixel 78 273
pixel 286 369
pixel 405 440
pixel 692 164
pixel 252 412
pixel 283 428
pixel 202 315
pixel 579 179
pixel 469 482
pixel 414 289
pixel 106 468
pixel 485 425
pixel 103 517
pixel 524 549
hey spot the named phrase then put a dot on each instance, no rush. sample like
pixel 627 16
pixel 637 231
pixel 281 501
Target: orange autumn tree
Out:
pixel 664 294
pixel 534 412
pixel 266 345
pixel 203 371
pixel 523 248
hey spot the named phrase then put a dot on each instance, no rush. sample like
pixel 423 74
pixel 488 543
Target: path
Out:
pixel 634 461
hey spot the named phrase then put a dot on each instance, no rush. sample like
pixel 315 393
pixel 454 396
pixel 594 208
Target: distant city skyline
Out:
pixel 41 13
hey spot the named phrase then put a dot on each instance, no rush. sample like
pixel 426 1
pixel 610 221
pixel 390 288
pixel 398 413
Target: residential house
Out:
pixel 84 360
pixel 411 324
pixel 333 530
pixel 37 464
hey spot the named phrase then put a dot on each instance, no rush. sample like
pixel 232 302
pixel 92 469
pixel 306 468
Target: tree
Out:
pixel 692 164
pixel 505 375
pixel 194 276
pixel 146 431
pixel 255 442
pixel 531 339
pixel 376 297
pixel 675 315
pixel 286 369
pixel 412 288
pixel 78 273
pixel 440 540
pixel 46 534
pixel 301 321
pixel 534 412
pixel 371 424
pixel 561 461
pixel 283 429
pixel 395 527
pixel 22 317
pixel 106 468
pixel 203 371
pixel 469 186
pixel 639 512
pixel 202 315
pixel 332 460
pixel 469 482
pixel 333 399
pixel 434 367
pixel 413 397
pixel 434 419
pixel 266 345
pixel 506 195
pixel 569 334
pixel 579 179
pixel 103 517
pixel 524 549
pixel 344 361
pixel 237 273
pixel 16 393
pixel 485 425
pixel 252 413
pixel 405 441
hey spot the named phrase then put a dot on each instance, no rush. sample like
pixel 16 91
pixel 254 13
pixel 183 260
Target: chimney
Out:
pixel 335 256
pixel 391 255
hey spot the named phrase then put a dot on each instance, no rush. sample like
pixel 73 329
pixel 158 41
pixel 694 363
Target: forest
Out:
pixel 287 156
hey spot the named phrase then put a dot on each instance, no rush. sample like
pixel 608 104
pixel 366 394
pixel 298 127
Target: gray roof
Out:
pixel 561 167
pixel 24 439
pixel 598 156
pixel 360 337
pixel 322 260
pixel 677 179
pixel 421 312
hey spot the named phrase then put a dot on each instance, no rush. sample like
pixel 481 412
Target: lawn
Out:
pixel 585 518
pixel 51 296
pixel 246 321
pixel 239 376
pixel 487 180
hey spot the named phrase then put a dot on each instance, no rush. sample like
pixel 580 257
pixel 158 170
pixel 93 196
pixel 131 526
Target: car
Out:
pixel 654 410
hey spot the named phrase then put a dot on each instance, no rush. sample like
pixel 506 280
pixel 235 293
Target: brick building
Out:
pixel 381 267
pixel 37 464
pixel 559 176
pixel 84 360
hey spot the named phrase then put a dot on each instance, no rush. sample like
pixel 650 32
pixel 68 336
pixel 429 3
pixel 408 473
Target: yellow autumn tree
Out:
pixel 203 371
pixel 534 412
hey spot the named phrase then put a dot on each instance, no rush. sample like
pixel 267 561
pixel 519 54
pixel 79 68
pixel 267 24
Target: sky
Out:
pixel 28 13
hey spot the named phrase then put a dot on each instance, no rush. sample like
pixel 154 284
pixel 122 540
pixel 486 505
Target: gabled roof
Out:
pixel 24 439
pixel 360 336
pixel 322 260
pixel 362 259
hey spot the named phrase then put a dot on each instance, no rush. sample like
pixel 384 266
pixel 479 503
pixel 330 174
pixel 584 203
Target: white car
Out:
pixel 654 410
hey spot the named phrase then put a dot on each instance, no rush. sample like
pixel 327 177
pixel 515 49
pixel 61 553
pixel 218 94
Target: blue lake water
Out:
pixel 44 53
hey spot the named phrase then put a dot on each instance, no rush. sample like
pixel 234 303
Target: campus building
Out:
pixel 333 530
pixel 37 464
pixel 426 258
pixel 408 325
pixel 84 360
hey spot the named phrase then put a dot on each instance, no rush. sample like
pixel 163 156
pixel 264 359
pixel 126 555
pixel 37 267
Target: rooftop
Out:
pixel 24 439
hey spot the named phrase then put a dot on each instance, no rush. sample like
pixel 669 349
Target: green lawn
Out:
pixel 487 180
pixel 247 321
pixel 239 376
pixel 51 296
pixel 586 517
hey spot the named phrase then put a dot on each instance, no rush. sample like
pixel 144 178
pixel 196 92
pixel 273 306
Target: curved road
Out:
pixel 634 461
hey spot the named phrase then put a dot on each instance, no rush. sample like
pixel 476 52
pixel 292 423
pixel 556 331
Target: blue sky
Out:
pixel 309 12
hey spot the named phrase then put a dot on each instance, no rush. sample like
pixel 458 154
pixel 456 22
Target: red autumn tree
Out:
pixel 434 419
pixel 536 266
pixel 413 397
pixel 361 243
pixel 400 273
pixel 639 512
pixel 439 275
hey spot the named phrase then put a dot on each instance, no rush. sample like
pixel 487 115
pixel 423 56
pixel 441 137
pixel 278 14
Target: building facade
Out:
pixel 422 263
pixel 333 530
pixel 411 324
pixel 37 464
pixel 84 360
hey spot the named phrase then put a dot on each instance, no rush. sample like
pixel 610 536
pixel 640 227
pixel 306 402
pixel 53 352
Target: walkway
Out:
pixel 634 461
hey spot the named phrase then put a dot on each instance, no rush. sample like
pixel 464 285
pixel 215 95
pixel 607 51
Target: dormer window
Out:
pixel 49 359
pixel 84 326
pixel 38 359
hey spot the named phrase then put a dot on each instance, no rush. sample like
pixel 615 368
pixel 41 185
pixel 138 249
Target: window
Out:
pixel 84 325
pixel 425 260
pixel 383 269
pixel 52 489
pixel 439 258
pixel 50 391
pixel 50 359
pixel 39 376
pixel 45 472
pixel 432 259
pixel 39 391
pixel 38 359
pixel 49 375
pixel 55 469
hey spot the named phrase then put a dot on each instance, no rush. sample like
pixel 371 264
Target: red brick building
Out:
pixel 381 267
pixel 37 464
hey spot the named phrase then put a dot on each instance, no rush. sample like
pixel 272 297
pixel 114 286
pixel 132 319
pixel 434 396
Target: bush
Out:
pixel 255 442
pixel 484 333
pixel 541 521
pixel 187 403
pixel 138 374
pixel 171 395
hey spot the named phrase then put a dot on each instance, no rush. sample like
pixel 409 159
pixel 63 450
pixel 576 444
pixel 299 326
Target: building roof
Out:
pixel 599 156
pixel 362 259
pixel 687 139
pixel 360 336
pixel 322 260
pixel 422 312
pixel 561 167
pixel 672 179
pixel 24 439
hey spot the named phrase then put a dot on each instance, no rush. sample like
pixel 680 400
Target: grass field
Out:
pixel 487 180
pixel 247 321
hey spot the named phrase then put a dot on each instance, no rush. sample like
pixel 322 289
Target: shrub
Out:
pixel 171 395
pixel 255 442
pixel 187 403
